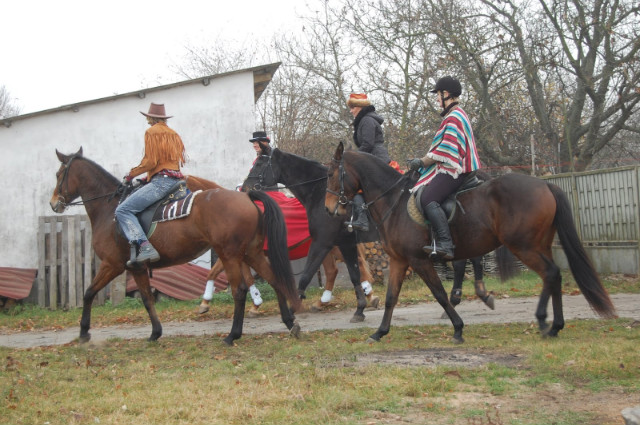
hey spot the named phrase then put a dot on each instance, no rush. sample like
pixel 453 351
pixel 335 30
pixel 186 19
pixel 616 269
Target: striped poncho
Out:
pixel 453 147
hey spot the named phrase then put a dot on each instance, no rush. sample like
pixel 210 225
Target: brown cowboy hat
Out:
pixel 156 110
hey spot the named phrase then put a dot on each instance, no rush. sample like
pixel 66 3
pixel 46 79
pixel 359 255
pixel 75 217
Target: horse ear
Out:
pixel 62 157
pixel 79 153
pixel 339 152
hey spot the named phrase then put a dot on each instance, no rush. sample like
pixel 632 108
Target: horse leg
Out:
pixel 397 271
pixel 331 273
pixel 259 263
pixel 366 278
pixel 316 256
pixel 144 286
pixel 106 273
pixel 233 269
pixel 250 281
pixel 481 290
pixel 541 263
pixel 456 290
pixel 213 274
pixel 350 256
pixel 430 277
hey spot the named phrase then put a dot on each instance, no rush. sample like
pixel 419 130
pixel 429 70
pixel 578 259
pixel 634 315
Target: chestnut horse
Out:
pixel 520 212
pixel 225 220
pixel 329 263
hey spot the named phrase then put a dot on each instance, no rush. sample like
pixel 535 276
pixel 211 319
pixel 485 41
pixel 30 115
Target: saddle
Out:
pixel 176 204
pixel 449 206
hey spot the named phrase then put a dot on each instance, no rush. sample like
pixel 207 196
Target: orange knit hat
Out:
pixel 358 99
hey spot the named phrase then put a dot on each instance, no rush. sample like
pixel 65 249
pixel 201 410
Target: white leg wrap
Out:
pixel 326 296
pixel 208 291
pixel 255 295
pixel 366 286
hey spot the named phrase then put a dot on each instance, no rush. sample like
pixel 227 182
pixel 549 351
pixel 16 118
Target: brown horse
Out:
pixel 329 263
pixel 225 220
pixel 521 212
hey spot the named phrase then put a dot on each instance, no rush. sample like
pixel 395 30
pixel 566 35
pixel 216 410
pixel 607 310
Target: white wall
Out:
pixel 214 121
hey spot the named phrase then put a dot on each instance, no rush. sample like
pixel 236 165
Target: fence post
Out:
pixel 118 289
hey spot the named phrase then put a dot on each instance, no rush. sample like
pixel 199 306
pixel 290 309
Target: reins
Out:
pixel 343 200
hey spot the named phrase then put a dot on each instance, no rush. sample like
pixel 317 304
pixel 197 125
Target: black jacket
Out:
pixel 367 133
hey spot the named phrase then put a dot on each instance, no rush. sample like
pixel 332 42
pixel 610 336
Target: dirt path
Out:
pixel 507 310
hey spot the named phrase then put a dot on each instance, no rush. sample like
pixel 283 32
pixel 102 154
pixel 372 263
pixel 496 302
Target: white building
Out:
pixel 214 116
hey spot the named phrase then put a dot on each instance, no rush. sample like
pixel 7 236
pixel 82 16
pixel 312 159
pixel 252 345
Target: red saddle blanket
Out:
pixel 295 217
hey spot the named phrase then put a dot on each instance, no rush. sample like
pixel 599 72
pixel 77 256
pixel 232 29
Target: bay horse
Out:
pixel 225 220
pixel 307 180
pixel 520 212
pixel 329 264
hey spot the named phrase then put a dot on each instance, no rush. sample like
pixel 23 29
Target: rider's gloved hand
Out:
pixel 415 164
pixel 126 180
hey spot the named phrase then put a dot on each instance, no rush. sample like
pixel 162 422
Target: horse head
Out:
pixel 262 175
pixel 342 184
pixel 66 187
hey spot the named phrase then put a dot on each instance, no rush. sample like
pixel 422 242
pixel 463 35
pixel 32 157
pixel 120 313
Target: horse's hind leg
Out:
pixel 106 273
pixel 211 276
pixel 350 255
pixel 144 286
pixel 481 290
pixel 331 273
pixel 233 269
pixel 551 287
pixel 260 264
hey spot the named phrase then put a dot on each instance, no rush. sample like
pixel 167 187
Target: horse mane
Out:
pixel 383 174
pixel 315 166
pixel 112 179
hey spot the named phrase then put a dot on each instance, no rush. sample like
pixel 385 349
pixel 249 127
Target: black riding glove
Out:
pixel 415 164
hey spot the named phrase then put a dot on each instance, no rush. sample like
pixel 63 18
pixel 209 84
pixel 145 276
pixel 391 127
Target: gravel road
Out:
pixel 507 310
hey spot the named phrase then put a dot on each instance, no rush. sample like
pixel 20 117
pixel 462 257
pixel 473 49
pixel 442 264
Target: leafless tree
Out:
pixel 8 105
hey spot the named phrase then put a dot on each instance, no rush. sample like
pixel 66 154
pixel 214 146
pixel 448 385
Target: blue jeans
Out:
pixel 148 194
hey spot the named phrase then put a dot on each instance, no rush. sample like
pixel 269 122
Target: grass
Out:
pixel 29 317
pixel 586 376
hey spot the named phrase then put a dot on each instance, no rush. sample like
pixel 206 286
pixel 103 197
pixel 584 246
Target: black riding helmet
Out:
pixel 449 84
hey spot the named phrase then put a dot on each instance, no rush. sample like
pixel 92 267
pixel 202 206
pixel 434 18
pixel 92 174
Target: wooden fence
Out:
pixel 606 213
pixel 67 264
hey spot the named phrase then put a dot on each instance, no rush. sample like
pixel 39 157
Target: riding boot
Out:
pixel 132 255
pixel 442 247
pixel 147 253
pixel 360 219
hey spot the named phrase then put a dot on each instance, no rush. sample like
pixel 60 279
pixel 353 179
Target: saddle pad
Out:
pixel 176 209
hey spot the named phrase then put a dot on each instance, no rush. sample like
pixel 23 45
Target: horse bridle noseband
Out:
pixel 343 200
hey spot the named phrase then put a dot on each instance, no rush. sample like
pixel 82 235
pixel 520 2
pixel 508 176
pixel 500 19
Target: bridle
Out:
pixel 261 178
pixel 344 200
pixel 65 178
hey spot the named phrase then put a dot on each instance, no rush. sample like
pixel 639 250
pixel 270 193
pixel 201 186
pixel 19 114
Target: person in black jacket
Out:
pixel 368 137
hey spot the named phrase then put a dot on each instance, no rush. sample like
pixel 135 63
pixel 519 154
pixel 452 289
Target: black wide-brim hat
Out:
pixel 260 136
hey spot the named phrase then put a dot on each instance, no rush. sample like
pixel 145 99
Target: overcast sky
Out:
pixel 60 52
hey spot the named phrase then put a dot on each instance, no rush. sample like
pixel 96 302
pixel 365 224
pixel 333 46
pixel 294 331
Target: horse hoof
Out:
pixel 83 339
pixel 372 340
pixel 203 309
pixel 253 312
pixel 458 339
pixel 318 306
pixel 357 318
pixel 228 341
pixel 373 302
pixel 295 330
pixel 490 302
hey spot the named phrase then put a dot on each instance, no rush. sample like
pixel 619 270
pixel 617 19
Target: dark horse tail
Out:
pixel 581 267
pixel 278 252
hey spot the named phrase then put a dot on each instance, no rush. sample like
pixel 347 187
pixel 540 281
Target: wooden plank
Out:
pixel 40 280
pixel 70 223
pixel 53 265
pixel 88 260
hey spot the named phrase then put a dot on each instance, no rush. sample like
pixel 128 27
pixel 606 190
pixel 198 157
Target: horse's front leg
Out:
pixel 144 286
pixel 350 256
pixel 106 273
pixel 397 270
pixel 428 273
